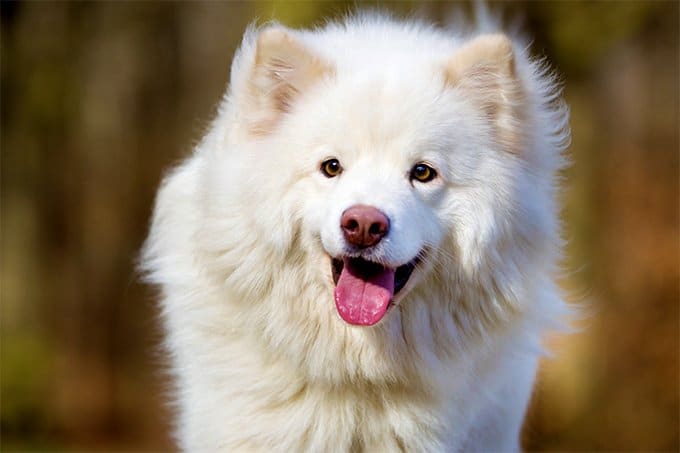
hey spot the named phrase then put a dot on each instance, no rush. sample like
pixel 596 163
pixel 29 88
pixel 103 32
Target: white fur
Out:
pixel 243 230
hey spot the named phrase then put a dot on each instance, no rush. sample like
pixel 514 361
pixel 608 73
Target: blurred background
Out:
pixel 99 98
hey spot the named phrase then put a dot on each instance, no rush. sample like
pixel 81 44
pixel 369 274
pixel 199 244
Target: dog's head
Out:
pixel 414 174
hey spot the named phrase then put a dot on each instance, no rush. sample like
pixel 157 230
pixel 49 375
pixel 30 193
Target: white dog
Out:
pixel 360 254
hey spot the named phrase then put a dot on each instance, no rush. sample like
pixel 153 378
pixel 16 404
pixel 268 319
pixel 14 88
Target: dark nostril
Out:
pixel 351 224
pixel 377 228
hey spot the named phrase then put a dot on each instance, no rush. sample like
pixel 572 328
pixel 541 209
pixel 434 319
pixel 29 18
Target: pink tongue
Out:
pixel 363 300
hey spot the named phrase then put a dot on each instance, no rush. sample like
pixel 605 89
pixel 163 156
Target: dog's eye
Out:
pixel 331 168
pixel 423 173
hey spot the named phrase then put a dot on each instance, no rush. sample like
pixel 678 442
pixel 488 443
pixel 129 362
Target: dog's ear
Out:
pixel 485 72
pixel 284 68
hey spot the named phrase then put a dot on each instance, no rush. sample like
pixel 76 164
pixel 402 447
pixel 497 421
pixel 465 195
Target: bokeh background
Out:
pixel 98 98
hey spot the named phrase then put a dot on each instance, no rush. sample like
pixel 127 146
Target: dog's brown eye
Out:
pixel 331 168
pixel 423 173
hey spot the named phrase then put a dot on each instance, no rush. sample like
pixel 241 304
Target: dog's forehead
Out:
pixel 382 114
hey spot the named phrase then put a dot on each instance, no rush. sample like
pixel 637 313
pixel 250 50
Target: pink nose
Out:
pixel 364 226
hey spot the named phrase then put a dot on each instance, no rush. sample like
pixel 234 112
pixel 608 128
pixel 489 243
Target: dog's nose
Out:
pixel 364 226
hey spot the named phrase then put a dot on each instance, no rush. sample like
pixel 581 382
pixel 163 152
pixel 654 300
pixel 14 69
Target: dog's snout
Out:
pixel 364 226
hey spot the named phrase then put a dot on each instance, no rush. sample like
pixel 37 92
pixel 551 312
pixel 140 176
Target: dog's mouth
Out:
pixel 364 290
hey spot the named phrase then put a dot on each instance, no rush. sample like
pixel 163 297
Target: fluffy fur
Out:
pixel 244 229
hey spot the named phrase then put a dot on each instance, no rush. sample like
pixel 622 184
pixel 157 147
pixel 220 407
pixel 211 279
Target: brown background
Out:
pixel 99 98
